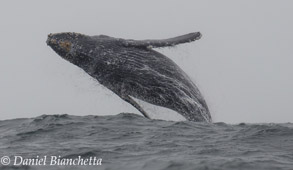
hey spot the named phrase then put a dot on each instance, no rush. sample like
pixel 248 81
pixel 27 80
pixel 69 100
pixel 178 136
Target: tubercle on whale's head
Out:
pixel 66 44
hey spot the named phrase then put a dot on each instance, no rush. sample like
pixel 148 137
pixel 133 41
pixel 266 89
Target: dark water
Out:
pixel 129 141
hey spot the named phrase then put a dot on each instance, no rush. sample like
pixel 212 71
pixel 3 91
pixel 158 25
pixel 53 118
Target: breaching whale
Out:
pixel 132 69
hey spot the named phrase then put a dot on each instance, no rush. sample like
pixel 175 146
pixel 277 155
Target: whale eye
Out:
pixel 65 45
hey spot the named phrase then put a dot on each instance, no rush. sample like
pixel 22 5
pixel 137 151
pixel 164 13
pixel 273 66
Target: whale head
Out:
pixel 69 46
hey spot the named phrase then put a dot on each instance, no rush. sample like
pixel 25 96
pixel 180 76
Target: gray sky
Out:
pixel 242 64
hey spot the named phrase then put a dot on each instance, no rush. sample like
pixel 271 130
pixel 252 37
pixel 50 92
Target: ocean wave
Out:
pixel 130 141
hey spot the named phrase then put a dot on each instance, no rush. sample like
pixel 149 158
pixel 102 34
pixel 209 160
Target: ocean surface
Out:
pixel 128 141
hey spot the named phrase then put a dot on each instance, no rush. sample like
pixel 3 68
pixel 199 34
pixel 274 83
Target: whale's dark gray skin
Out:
pixel 132 69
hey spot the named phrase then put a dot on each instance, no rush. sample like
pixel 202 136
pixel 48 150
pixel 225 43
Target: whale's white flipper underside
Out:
pixel 158 112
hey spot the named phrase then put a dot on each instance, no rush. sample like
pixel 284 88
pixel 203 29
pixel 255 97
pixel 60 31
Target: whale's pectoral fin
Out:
pixel 163 43
pixel 123 95
pixel 134 104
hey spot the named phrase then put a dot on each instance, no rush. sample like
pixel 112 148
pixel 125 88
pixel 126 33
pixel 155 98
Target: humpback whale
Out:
pixel 133 69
